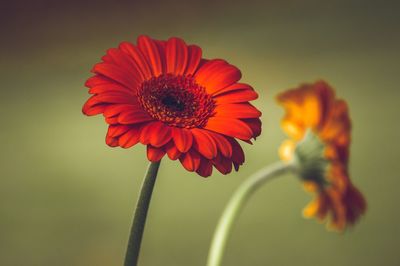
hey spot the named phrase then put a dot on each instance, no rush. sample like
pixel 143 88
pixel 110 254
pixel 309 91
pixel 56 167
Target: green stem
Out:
pixel 139 218
pixel 236 204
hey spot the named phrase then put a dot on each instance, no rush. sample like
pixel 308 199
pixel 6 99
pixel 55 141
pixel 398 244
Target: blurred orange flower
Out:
pixel 164 95
pixel 319 128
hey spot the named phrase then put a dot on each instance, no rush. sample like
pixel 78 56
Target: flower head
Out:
pixel 319 127
pixel 163 94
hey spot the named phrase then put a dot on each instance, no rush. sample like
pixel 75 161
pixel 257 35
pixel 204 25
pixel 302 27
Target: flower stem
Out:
pixel 236 204
pixel 139 218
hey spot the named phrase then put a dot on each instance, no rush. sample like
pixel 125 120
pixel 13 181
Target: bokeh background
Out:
pixel 66 199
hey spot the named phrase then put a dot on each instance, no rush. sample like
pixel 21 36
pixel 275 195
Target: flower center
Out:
pixel 176 100
pixel 172 103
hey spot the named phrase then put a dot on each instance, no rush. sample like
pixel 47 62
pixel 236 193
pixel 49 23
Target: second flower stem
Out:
pixel 236 204
pixel 139 218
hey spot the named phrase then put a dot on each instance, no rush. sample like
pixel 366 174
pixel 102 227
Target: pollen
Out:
pixel 176 100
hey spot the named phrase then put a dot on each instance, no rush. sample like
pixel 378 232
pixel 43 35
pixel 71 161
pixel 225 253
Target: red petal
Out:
pixel 138 57
pixel 194 57
pixel 110 87
pixel 236 96
pixel 190 160
pixel 117 130
pixel 205 168
pixel 177 56
pixel 97 80
pixel 92 105
pixel 204 143
pixel 146 132
pixel 223 164
pixel 150 50
pixel 134 116
pixel 222 143
pixel 237 110
pixel 255 125
pixel 160 134
pixel 237 153
pixel 106 98
pixel 233 87
pixel 237 166
pixel 207 68
pixel 217 74
pixel 121 59
pixel 183 139
pixel 130 138
pixel 161 45
pixel 230 126
pixel 115 109
pixel 93 109
pixel 172 151
pixel 112 142
pixel 112 120
pixel 117 74
pixel 155 154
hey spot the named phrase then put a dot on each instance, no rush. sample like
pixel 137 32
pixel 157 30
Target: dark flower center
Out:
pixel 172 103
pixel 176 100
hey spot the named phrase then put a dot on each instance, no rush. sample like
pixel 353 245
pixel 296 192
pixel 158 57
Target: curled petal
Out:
pixel 155 154
pixel 160 134
pixel 190 160
pixel 204 143
pixel 112 142
pixel 223 145
pixel 205 168
pixel 255 125
pixel 223 164
pixel 356 204
pixel 172 151
pixel 146 132
pixel 183 139
pixel 117 130
pixel 237 153
pixel 130 138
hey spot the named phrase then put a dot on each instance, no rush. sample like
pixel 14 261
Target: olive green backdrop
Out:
pixel 66 199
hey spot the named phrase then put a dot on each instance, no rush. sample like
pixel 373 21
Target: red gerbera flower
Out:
pixel 163 94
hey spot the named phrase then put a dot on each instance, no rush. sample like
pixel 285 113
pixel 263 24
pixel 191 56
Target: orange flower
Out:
pixel 319 127
pixel 163 94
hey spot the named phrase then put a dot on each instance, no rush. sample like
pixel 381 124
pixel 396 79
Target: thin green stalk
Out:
pixel 236 204
pixel 139 218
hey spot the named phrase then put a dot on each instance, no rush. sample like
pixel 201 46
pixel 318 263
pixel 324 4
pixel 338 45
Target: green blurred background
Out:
pixel 67 199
